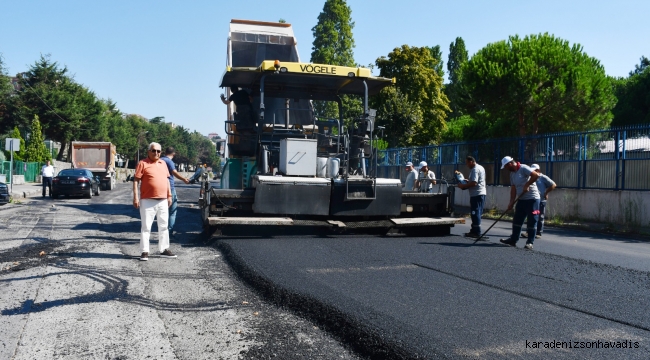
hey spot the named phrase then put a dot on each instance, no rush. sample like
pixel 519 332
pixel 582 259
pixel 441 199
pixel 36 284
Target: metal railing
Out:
pixel 29 169
pixel 610 159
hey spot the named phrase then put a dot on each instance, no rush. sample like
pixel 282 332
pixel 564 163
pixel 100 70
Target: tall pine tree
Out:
pixel 36 150
pixel 333 45
pixel 457 57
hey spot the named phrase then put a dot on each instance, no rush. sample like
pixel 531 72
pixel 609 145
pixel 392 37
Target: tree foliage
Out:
pixel 36 150
pixel 457 57
pixel 333 41
pixel 68 111
pixel 437 64
pixel 420 86
pixel 333 44
pixel 18 155
pixel 51 103
pixel 6 90
pixel 644 63
pixel 633 93
pixel 396 113
pixel 537 84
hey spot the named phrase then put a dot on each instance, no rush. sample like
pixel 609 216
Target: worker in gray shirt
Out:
pixel 545 185
pixel 476 185
pixel 411 176
pixel 523 188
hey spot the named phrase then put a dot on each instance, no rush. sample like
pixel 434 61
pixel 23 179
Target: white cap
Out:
pixel 534 167
pixel 505 160
pixel 409 164
pixel 423 163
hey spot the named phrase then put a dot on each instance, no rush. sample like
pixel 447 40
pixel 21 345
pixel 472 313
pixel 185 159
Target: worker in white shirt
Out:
pixel 426 178
pixel 411 177
pixel 47 171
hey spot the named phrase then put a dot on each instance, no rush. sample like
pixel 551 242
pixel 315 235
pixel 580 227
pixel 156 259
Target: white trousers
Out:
pixel 150 208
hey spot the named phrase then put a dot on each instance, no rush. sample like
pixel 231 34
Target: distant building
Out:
pixel 213 136
pixel 16 84
pixel 641 144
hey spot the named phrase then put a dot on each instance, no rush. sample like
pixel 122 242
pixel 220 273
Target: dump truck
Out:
pixel 99 158
pixel 296 168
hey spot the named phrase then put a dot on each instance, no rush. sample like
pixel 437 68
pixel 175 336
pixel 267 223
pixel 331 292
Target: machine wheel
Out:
pixel 89 195
pixel 111 184
pixel 54 195
pixel 97 192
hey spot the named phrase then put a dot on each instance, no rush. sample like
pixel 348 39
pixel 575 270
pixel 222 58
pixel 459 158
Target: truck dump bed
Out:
pixel 94 156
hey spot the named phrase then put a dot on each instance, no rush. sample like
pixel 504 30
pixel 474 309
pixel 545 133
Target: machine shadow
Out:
pixel 459 245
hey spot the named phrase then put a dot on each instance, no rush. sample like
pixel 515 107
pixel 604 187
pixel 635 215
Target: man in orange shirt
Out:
pixel 154 201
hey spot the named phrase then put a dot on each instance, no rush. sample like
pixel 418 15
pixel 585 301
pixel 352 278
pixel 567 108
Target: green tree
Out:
pixel 68 111
pixel 421 86
pixel 537 84
pixel 644 63
pixel 18 155
pixel 333 44
pixel 333 41
pixel 457 57
pixel 633 93
pixel 5 91
pixel 36 150
pixel 437 64
pixel 399 117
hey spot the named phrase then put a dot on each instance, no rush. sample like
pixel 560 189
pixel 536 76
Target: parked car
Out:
pixel 4 193
pixel 75 182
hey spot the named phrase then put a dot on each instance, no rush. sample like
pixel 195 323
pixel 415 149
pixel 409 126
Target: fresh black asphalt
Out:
pixel 443 297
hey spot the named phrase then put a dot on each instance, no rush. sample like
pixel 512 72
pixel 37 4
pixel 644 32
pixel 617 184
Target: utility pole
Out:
pixel 12 145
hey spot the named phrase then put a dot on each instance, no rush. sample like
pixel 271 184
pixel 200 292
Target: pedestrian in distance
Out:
pixel 426 178
pixel 197 174
pixel 411 177
pixel 523 188
pixel 544 185
pixel 170 152
pixel 153 200
pixel 47 173
pixel 476 185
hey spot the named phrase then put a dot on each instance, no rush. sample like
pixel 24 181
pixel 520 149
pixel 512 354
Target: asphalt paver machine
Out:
pixel 290 167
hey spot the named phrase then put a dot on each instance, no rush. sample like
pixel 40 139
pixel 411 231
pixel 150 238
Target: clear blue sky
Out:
pixel 165 58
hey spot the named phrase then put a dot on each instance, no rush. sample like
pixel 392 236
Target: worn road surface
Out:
pixel 88 297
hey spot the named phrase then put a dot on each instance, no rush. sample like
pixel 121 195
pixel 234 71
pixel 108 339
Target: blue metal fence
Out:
pixel 611 159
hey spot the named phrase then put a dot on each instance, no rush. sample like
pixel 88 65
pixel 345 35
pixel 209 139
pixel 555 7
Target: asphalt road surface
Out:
pixel 314 296
pixel 577 295
pixel 71 287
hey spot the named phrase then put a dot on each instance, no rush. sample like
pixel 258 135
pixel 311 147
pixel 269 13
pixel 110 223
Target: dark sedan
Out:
pixel 75 182
pixel 4 193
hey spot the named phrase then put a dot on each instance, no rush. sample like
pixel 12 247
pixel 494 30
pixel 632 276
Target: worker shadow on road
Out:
pixel 106 209
pixel 134 240
pixel 595 235
pixel 115 289
pixel 128 227
pixel 94 255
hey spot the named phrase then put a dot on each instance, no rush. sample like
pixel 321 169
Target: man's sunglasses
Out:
pixel 155 151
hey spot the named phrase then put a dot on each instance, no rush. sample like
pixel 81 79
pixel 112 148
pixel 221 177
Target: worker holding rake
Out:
pixel 523 191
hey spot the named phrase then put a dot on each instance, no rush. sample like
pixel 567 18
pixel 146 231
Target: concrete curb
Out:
pixel 25 194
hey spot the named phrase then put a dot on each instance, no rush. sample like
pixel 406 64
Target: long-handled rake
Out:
pixel 500 217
